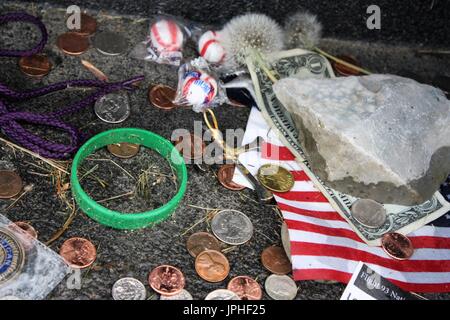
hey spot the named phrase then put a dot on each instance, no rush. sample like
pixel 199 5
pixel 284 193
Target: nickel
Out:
pixel 128 289
pixel 113 108
pixel 166 280
pixel 10 184
pixel 225 176
pixel 369 213
pixel 201 241
pixel 397 246
pixel 246 288
pixel 275 260
pixel 280 287
pixel 232 227
pixel 212 266
pixel 124 150
pixel 78 252
pixel 275 178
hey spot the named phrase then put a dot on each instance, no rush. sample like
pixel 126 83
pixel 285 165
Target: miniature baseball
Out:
pixel 210 47
pixel 166 35
pixel 199 90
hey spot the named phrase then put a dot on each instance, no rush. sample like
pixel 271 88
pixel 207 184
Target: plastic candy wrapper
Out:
pixel 210 48
pixel 29 270
pixel 198 86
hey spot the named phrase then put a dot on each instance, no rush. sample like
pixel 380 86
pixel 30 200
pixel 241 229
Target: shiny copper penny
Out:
pixel 275 260
pixel 191 147
pixel 78 252
pixel 37 65
pixel 201 241
pixel 124 150
pixel 397 246
pixel 162 97
pixel 88 25
pixel 166 280
pixel 10 184
pixel 246 288
pixel 225 176
pixel 212 266
pixel 27 228
pixel 344 70
pixel 72 43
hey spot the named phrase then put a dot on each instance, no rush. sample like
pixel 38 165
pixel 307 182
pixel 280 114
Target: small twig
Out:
pixel 117 197
pixel 109 160
pixel 66 225
pixel 203 208
pixel 25 191
pixel 89 172
pixel 229 249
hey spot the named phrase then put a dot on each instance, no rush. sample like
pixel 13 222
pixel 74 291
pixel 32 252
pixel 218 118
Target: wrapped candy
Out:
pixel 210 47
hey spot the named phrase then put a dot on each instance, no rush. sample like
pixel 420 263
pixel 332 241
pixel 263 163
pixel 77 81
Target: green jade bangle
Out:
pixel 116 219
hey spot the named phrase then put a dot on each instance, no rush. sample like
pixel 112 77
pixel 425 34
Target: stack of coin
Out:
pixel 76 42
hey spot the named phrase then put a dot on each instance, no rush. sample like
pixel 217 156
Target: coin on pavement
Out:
pixel 113 107
pixel 246 288
pixel 110 43
pixel 128 289
pixel 79 253
pixel 37 65
pixel 183 295
pixel 280 287
pixel 167 280
pixel 123 150
pixel 397 246
pixel 72 43
pixel 232 227
pixel 201 241
pixel 275 260
pixel 275 178
pixel 27 228
pixel 88 25
pixel 225 176
pixel 212 266
pixel 222 294
pixel 162 96
pixel 369 213
pixel 10 184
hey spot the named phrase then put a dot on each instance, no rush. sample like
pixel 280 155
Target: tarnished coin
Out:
pixel 232 227
pixel 113 107
pixel 29 230
pixel 275 260
pixel 12 256
pixel 222 294
pixel 191 147
pixel 124 150
pixel 162 97
pixel 246 288
pixel 344 70
pixel 369 213
pixel 275 178
pixel 128 289
pixel 280 287
pixel 183 295
pixel 201 241
pixel 285 240
pixel 397 246
pixel 212 266
pixel 225 176
pixel 10 184
pixel 166 280
pixel 110 43
pixel 72 43
pixel 37 65
pixel 79 253
pixel 88 25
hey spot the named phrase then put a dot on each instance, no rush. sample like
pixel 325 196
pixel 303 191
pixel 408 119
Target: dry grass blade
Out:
pixel 66 225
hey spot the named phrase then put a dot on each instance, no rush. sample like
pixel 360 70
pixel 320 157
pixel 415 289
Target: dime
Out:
pixel 10 184
pixel 280 287
pixel 162 97
pixel 212 266
pixel 12 256
pixel 286 240
pixel 246 288
pixel 124 150
pixel 113 108
pixel 166 280
pixel 397 246
pixel 225 176
pixel 88 25
pixel 191 147
pixel 110 43
pixel 183 295
pixel 128 289
pixel 275 260
pixel 72 43
pixel 201 241
pixel 369 213
pixel 29 230
pixel 222 294
pixel 79 253
pixel 232 227
pixel 37 65
pixel 344 70
pixel 275 178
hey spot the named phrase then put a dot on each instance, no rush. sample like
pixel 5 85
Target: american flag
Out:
pixel 324 246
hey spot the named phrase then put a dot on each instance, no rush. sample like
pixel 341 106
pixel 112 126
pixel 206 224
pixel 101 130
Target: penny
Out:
pixel 212 266
pixel 128 289
pixel 201 241
pixel 280 287
pixel 225 176
pixel 369 213
pixel 88 25
pixel 183 295
pixel 162 97
pixel 12 256
pixel 124 150
pixel 397 246
pixel 285 240
pixel 10 184
pixel 110 43
pixel 232 227
pixel 166 280
pixel 79 253
pixel 72 43
pixel 29 230
pixel 246 288
pixel 275 178
pixel 37 65
pixel 191 147
pixel 113 107
pixel 222 294
pixel 344 70
pixel 275 260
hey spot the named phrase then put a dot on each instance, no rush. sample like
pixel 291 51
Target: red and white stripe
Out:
pixel 166 35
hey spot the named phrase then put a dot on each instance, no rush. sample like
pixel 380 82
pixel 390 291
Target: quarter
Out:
pixel 232 227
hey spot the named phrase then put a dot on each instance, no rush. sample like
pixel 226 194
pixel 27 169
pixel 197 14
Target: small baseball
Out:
pixel 198 91
pixel 210 48
pixel 166 35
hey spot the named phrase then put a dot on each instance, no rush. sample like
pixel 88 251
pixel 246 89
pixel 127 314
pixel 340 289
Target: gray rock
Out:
pixel 381 137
